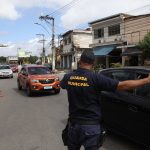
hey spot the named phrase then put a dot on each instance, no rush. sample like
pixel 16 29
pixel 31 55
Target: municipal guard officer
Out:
pixel 83 88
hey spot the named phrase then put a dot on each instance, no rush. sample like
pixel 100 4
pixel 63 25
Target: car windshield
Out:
pixel 38 70
pixel 4 67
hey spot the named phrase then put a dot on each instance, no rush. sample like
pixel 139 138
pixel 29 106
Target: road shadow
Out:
pixel 41 94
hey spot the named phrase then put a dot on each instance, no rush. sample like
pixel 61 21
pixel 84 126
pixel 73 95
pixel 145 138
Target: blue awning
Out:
pixel 103 50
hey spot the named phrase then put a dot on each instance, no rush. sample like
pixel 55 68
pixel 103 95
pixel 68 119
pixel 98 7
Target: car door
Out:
pixel 115 105
pixel 139 112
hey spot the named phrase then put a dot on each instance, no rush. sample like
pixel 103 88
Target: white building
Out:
pixel 74 42
pixel 12 59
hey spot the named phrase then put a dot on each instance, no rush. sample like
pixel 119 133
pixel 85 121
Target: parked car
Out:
pixel 128 112
pixel 5 71
pixel 37 78
pixel 14 67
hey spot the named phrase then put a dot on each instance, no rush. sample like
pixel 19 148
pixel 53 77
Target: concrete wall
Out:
pixel 105 25
pixel 82 40
pixel 136 29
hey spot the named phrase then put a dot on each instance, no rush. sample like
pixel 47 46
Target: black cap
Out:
pixel 87 57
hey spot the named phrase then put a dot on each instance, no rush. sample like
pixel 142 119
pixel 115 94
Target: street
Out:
pixel 35 123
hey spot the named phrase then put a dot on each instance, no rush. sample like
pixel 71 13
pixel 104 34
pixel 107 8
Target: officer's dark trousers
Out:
pixel 84 135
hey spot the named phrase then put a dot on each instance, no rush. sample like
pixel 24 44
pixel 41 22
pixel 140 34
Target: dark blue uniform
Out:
pixel 83 87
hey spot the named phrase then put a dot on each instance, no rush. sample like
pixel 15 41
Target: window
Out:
pixel 4 67
pixel 69 40
pixel 98 33
pixel 65 41
pixel 122 76
pixel 144 90
pixel 113 30
pixel 38 70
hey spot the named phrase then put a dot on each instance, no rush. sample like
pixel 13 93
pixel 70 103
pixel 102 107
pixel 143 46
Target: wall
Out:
pixel 136 29
pixel 82 40
pixel 105 24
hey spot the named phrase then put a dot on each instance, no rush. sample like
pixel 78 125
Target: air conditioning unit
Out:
pixel 118 39
pixel 102 41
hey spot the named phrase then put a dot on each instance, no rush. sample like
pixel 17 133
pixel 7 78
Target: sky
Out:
pixel 18 17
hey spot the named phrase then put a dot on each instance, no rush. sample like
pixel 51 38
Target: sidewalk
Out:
pixel 60 73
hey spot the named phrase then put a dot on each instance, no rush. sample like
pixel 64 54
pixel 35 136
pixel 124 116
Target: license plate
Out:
pixel 47 87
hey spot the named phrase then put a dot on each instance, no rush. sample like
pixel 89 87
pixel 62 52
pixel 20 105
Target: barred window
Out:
pixel 69 40
pixel 65 41
pixel 98 33
pixel 113 30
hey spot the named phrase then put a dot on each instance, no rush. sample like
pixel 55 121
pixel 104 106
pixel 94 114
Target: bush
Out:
pixel 115 65
pixel 98 67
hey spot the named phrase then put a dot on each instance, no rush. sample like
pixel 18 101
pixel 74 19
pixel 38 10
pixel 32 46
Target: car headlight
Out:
pixel 1 73
pixel 35 81
pixel 10 72
pixel 56 79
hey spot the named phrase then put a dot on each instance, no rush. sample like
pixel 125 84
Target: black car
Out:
pixel 128 112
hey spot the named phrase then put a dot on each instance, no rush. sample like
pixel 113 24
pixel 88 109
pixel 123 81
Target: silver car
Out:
pixel 5 71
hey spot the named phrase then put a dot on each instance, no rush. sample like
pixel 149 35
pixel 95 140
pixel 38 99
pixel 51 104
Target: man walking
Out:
pixel 83 88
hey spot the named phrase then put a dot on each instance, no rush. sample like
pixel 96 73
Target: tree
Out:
pixel 33 59
pixel 144 45
pixel 2 59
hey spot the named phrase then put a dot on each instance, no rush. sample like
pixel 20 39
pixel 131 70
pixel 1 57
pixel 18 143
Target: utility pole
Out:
pixel 46 18
pixel 43 49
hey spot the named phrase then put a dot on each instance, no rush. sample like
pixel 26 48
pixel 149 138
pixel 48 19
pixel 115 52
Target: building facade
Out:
pixel 115 38
pixel 74 42
pixel 135 29
pixel 107 36
pixel 12 59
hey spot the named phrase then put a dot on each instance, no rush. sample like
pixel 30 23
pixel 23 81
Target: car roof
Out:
pixel 129 68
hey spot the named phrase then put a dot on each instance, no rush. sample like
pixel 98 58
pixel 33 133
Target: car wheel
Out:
pixel 57 91
pixel 19 86
pixel 28 90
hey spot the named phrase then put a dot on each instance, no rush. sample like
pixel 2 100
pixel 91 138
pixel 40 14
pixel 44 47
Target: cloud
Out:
pixel 31 46
pixel 88 10
pixel 10 8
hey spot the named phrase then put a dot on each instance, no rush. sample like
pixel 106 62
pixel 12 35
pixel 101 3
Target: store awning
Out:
pixel 103 50
pixel 131 52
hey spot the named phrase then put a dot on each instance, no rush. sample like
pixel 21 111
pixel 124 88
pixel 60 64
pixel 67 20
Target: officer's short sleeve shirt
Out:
pixel 83 88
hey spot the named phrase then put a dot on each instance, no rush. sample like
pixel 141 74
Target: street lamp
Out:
pixel 43 41
pixel 42 27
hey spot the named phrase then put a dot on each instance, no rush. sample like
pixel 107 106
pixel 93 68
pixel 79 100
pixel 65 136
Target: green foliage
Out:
pixel 32 59
pixel 97 68
pixel 144 45
pixel 115 65
pixel 2 59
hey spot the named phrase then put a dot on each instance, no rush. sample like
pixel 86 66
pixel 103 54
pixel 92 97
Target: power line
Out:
pixel 143 7
pixel 69 5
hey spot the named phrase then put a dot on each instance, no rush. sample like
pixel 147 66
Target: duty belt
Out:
pixel 84 122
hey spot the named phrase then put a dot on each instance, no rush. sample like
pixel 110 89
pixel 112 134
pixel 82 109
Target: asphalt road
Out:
pixel 35 123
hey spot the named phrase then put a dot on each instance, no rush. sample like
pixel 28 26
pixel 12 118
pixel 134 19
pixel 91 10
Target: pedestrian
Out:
pixel 83 88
